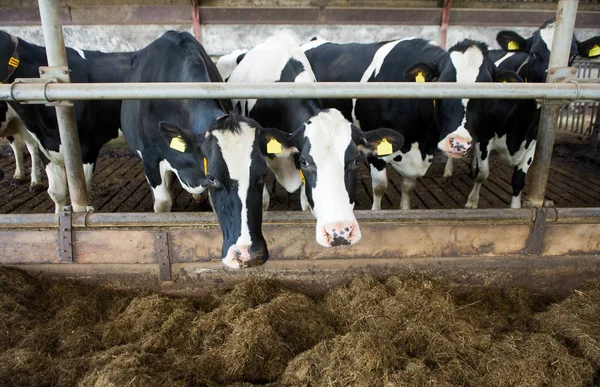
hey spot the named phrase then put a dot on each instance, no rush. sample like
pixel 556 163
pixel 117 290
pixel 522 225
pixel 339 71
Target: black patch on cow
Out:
pixel 10 139
pixel 239 58
pixel 378 163
pixel 3 112
pixel 290 71
pixel 529 161
pixel 352 160
pixel 398 158
pixel 518 181
pixel 310 173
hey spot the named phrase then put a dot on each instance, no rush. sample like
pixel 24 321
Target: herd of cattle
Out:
pixel 315 145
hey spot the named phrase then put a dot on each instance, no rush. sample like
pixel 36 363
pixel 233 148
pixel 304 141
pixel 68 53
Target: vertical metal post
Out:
pixel 559 57
pixel 65 115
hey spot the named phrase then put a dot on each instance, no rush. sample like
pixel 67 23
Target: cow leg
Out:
pixel 379 182
pixel 518 179
pixel 449 169
pixel 482 175
pixel 57 185
pixel 16 143
pixel 408 185
pixel 36 163
pixel 159 184
pixel 266 199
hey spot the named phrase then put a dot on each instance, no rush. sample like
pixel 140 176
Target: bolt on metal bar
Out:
pixel 65 115
pixel 559 57
pixel 34 92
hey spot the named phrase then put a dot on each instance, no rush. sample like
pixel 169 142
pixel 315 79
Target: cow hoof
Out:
pixel 446 179
pixel 37 187
pixel 18 181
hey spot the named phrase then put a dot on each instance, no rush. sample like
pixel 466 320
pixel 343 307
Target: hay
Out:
pixel 403 331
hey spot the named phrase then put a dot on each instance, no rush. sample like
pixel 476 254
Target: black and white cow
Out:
pixel 13 129
pixel 202 143
pixel 321 150
pixel 97 121
pixel 426 124
pixel 510 126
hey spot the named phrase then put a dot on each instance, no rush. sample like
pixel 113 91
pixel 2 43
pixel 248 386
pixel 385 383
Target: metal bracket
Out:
pixel 65 237
pixel 561 74
pixel 535 242
pixel 56 74
pixel 161 248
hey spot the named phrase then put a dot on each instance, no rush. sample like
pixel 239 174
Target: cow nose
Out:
pixel 340 233
pixel 458 146
pixel 241 256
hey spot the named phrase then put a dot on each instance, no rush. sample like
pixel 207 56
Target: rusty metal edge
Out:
pixel 65 237
pixel 80 15
pixel 161 249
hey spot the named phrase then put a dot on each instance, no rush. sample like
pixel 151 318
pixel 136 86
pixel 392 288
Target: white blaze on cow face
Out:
pixel 329 135
pixel 236 150
pixel 467 65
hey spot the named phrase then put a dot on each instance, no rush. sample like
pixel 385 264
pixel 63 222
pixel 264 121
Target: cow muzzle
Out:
pixel 338 234
pixel 240 256
pixel 455 146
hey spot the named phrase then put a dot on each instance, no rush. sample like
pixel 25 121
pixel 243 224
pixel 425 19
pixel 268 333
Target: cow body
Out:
pixel 426 125
pixel 14 130
pixel 510 126
pixel 97 121
pixel 200 142
pixel 321 150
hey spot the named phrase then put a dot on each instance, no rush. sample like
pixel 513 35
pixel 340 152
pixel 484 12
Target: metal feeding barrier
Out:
pixel 539 248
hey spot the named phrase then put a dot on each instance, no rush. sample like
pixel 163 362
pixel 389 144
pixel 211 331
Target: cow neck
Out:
pixel 13 61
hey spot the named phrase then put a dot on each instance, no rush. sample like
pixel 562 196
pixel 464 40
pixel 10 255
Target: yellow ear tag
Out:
pixel 14 62
pixel 274 146
pixel 302 177
pixel 205 166
pixel 178 144
pixel 419 77
pixel 594 51
pixel 384 148
pixel 513 46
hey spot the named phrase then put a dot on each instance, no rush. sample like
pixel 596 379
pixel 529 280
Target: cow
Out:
pixel 425 124
pixel 511 125
pixel 97 121
pixel 13 129
pixel 202 142
pixel 321 150
pixel 227 63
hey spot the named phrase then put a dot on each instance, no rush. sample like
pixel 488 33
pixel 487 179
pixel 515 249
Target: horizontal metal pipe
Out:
pixel 87 91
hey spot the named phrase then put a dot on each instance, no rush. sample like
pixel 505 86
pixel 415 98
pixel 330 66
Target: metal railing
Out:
pixel 581 117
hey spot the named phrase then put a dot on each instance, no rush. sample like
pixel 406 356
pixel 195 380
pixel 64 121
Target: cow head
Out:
pixel 539 47
pixel 466 62
pixel 326 153
pixel 232 166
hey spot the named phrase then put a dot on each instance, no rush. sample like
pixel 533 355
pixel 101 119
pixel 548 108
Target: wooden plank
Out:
pixel 562 239
pixel 114 246
pixel 29 246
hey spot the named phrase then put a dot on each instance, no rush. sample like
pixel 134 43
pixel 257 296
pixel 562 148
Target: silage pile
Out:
pixel 403 331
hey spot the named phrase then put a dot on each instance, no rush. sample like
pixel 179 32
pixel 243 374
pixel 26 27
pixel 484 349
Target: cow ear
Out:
pixel 277 143
pixel 511 41
pixel 421 72
pixel 177 138
pixel 380 142
pixel 504 76
pixel 590 48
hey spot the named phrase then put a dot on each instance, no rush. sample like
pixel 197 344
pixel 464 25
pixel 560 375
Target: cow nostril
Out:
pixel 348 228
pixel 237 252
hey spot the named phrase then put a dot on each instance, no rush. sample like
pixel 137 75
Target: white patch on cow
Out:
pixel 547 35
pixel 330 135
pixel 272 55
pixel 161 193
pixel 80 52
pixel 505 57
pixel 314 43
pixel 236 149
pixel 227 63
pixel 374 68
pixel 379 183
pixel 193 190
pixel 285 170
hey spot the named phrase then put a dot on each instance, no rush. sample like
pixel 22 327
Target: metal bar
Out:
pixel 65 237
pixel 445 21
pixel 161 247
pixel 559 57
pixel 184 90
pixel 65 115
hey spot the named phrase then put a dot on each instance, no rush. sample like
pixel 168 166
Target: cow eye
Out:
pixel 304 163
